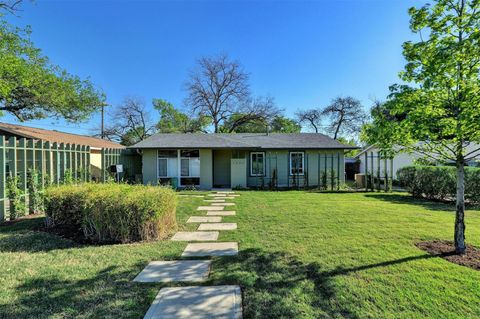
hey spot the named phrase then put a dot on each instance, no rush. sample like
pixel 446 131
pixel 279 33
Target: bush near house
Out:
pixel 113 212
pixel 439 182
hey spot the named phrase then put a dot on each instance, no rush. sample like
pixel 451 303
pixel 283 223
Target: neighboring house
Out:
pixel 240 160
pixel 96 144
pixel 400 160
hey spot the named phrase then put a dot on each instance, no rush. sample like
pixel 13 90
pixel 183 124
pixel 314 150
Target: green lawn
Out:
pixel 302 255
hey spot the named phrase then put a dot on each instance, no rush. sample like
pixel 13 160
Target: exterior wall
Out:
pixel 221 168
pixel 279 160
pixel 238 168
pixel 149 166
pixel 206 169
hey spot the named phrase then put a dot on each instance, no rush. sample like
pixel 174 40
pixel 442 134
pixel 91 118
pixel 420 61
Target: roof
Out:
pixel 242 140
pixel 56 136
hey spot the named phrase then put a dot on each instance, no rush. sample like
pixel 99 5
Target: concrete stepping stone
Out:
pixel 211 249
pixel 217 195
pixel 218 226
pixel 204 219
pixel 177 270
pixel 208 208
pixel 188 195
pixel 195 236
pixel 210 302
pixel 214 200
pixel 225 192
pixel 221 213
pixel 223 204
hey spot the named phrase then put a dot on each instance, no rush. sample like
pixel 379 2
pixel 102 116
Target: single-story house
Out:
pixel 401 159
pixel 241 160
pixel 53 136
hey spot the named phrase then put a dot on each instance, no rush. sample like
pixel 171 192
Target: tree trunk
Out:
pixel 460 212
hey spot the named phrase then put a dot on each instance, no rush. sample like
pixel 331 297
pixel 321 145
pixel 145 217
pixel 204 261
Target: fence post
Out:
pixel 338 174
pixel 3 180
pixel 87 157
pixel 23 167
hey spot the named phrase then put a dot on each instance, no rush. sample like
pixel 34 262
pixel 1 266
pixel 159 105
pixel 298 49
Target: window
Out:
pixel 167 163
pixel 185 167
pixel 257 164
pixel 296 163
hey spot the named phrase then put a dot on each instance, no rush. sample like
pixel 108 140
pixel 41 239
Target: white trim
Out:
pixel 251 162
pixel 290 163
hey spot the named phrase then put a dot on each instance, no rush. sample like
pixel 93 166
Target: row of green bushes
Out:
pixel 113 212
pixel 439 182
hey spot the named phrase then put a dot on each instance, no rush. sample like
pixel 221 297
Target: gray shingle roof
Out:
pixel 242 140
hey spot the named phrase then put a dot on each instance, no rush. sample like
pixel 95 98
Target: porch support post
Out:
pixel 179 168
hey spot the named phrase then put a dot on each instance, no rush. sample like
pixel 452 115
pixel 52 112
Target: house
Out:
pixel 241 160
pixel 96 144
pixel 401 159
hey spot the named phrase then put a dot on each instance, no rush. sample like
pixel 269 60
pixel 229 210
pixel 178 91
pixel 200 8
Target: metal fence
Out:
pixel 53 161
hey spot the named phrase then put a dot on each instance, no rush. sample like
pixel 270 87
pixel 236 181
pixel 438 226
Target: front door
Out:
pixel 221 168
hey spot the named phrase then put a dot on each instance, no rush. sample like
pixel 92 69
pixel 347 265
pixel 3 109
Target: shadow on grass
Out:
pixel 406 199
pixel 277 285
pixel 109 294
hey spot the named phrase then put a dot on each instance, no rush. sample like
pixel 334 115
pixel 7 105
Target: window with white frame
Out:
pixel 167 163
pixel 297 161
pixel 190 163
pixel 257 163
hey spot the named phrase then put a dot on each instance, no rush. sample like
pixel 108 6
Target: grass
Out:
pixel 302 255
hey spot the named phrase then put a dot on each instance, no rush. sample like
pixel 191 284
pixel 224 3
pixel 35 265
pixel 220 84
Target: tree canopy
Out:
pixel 173 120
pixel 31 87
pixel 436 111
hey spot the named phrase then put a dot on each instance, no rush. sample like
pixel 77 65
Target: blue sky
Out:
pixel 301 53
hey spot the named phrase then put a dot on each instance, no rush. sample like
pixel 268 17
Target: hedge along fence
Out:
pixel 439 182
pixel 113 212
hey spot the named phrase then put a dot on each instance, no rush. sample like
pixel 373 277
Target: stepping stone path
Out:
pixel 214 302
pixel 210 208
pixel 222 213
pixel 211 249
pixel 178 270
pixel 197 302
pixel 195 236
pixel 218 226
pixel 223 204
pixel 204 219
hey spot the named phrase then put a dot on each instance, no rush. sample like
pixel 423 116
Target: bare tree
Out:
pixel 218 88
pixel 346 116
pixel 131 122
pixel 258 110
pixel 313 117
pixel 10 6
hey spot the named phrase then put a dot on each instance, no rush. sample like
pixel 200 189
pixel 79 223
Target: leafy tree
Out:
pixel 346 115
pixel 313 117
pixel 279 124
pixel 32 88
pixel 218 88
pixel 437 113
pixel 175 121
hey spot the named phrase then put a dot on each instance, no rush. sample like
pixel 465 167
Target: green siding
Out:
pixel 206 166
pixel 149 166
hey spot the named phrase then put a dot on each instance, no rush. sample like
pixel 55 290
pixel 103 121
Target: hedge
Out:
pixel 113 212
pixel 439 182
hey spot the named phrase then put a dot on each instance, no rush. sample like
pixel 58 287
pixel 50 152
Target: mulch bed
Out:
pixel 11 222
pixel 446 250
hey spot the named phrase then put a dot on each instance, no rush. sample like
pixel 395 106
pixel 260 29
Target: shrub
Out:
pixel 14 193
pixel 35 196
pixel 113 212
pixel 439 182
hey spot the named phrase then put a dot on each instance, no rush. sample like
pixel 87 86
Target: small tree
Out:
pixel 437 113
pixel 35 197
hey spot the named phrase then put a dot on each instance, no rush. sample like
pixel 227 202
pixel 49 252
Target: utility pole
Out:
pixel 102 125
